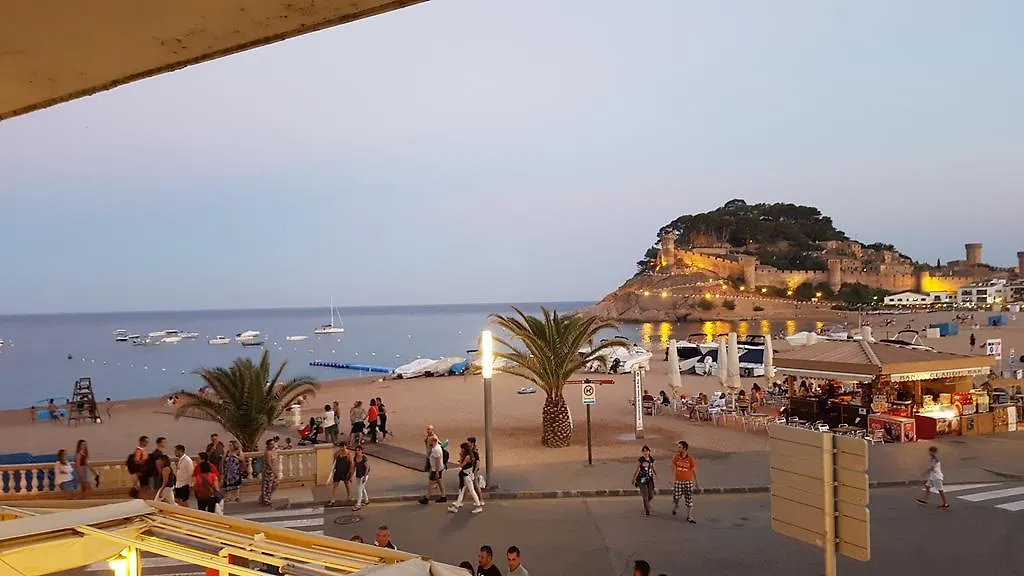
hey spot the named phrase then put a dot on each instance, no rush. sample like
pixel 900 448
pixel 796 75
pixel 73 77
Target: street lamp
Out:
pixel 487 370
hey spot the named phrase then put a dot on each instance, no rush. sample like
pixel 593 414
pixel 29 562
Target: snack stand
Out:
pixel 894 393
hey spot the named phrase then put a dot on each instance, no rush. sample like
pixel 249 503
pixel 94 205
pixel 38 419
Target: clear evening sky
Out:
pixel 489 151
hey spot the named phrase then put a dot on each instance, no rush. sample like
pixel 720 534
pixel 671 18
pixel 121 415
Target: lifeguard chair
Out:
pixel 82 406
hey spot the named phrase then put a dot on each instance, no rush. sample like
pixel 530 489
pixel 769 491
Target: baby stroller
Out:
pixel 308 433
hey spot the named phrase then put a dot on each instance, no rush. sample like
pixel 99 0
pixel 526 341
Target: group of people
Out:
pixel 486 566
pixel 684 479
pixel 349 465
pixel 371 422
pixel 216 477
pixel 471 481
pixel 75 476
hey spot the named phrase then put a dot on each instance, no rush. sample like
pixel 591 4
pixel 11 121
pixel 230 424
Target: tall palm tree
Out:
pixel 551 356
pixel 246 398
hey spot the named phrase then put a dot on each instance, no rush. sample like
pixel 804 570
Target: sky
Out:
pixel 462 151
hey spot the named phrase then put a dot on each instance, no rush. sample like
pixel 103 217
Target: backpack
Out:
pixel 444 458
pixel 204 488
pixel 132 465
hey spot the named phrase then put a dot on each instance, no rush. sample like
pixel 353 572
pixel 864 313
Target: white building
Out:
pixel 1015 291
pixel 982 293
pixel 907 299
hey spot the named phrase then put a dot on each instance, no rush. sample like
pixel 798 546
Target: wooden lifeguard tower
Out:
pixel 83 403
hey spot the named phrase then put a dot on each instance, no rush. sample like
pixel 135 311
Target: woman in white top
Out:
pixel 63 476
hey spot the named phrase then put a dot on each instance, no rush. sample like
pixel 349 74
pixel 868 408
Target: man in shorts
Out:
pixel 935 478
pixel 435 470
pixel 685 480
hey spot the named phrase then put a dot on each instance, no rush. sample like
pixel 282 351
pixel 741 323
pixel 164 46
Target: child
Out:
pixel 934 482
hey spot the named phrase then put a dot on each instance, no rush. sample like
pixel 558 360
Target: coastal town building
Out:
pixel 907 298
pixel 989 292
pixel 846 262
pixel 1015 291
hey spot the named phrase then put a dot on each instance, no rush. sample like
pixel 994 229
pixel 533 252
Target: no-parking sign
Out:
pixel 589 394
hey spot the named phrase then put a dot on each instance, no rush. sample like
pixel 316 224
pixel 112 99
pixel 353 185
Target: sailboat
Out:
pixel 331 328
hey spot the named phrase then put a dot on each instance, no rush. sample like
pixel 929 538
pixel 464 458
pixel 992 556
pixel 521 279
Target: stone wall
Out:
pixel 928 283
pixel 713 264
pixel 789 279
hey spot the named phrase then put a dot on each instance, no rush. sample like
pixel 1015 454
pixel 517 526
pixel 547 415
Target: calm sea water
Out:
pixel 34 364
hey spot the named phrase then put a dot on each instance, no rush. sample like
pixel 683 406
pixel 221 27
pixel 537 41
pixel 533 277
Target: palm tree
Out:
pixel 246 398
pixel 551 356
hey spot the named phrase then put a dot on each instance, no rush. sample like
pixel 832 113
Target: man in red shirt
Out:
pixel 685 480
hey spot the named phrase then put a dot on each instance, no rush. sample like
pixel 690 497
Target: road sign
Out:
pixel 589 394
pixel 994 347
pixel 819 491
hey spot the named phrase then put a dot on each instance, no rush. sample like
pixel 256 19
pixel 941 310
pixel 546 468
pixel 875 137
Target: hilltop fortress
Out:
pixel 847 261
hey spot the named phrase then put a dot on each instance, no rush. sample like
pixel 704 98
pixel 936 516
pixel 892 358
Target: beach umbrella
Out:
pixel 734 382
pixel 674 379
pixel 769 361
pixel 723 361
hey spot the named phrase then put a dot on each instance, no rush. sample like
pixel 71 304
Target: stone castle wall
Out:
pixel 714 264
pixel 788 279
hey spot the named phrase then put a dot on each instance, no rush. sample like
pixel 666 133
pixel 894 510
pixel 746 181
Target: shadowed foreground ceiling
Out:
pixel 58 50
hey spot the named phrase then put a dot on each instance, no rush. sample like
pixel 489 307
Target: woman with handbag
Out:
pixel 644 477
pixel 207 487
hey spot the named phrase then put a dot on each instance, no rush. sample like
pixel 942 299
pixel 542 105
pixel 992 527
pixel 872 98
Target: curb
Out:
pixel 1000 473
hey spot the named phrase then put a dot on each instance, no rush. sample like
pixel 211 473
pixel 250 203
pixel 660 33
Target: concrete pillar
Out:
pixel 667 251
pixel 835 274
pixel 973 253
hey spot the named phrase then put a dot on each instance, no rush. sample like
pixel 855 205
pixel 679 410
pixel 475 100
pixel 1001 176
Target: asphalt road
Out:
pixel 733 535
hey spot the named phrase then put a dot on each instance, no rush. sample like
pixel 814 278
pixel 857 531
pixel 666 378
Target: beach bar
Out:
pixel 894 393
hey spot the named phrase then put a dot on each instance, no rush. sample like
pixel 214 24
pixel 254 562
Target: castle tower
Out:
pixel 924 281
pixel 749 264
pixel 667 251
pixel 1020 263
pixel 973 253
pixel 835 274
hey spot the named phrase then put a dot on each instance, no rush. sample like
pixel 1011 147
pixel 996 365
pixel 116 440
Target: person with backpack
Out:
pixel 207 487
pixel 136 464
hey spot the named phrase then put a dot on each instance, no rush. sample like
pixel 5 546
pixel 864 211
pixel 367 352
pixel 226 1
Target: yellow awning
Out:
pixel 65 552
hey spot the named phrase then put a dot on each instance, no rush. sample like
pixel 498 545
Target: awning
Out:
pixel 804 373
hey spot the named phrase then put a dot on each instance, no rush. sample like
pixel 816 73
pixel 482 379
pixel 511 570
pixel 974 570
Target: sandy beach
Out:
pixel 455 406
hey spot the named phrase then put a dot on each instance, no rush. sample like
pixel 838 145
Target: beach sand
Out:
pixel 454 405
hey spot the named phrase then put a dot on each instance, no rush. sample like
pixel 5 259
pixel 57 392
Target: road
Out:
pixel 602 536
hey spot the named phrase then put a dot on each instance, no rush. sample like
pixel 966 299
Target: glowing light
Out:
pixel 707 295
pixel 664 333
pixel 486 354
pixel 664 294
pixel 818 295
pixel 764 290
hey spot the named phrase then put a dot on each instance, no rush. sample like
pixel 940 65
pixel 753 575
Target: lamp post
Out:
pixel 487 370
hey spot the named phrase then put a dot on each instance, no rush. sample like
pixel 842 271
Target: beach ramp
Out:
pixel 397 455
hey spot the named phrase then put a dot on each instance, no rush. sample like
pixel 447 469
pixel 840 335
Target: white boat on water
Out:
pixel 1 342
pixel 190 335
pixel 415 369
pixel 170 339
pixel 625 358
pixel 296 338
pixel 120 335
pixel 144 342
pixel 331 328
pixel 247 335
pixel 689 353
pixel 219 340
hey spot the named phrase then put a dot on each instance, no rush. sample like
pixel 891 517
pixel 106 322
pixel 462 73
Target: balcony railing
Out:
pixel 19 481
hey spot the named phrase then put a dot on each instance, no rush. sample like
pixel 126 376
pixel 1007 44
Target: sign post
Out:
pixel 589 399
pixel 638 396
pixel 994 347
pixel 819 491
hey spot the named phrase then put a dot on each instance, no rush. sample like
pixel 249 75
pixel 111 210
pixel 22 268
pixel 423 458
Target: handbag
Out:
pixel 480 481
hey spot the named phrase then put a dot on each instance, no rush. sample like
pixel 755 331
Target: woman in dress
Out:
pixel 63 476
pixel 342 473
pixel 164 470
pixel 83 471
pixel 362 468
pixel 643 478
pixel 232 471
pixel 269 483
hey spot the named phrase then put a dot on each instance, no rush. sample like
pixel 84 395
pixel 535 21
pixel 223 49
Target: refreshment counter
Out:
pixel 893 428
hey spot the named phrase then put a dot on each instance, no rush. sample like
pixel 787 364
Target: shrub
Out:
pixel 729 304
pixel 758 308
pixel 705 304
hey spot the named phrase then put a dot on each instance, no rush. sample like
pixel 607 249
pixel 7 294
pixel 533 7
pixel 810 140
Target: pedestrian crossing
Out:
pixel 1006 496
pixel 305 519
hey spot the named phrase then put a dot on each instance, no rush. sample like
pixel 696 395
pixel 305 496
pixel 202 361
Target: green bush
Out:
pixel 729 304
pixel 758 308
pixel 705 304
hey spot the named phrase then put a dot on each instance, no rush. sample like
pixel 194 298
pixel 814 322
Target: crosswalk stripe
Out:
pixel 962 487
pixel 1012 506
pixel 279 513
pixel 992 495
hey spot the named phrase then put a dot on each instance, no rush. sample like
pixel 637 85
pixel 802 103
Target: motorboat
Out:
pixel 254 341
pixel 907 339
pixel 219 340
pixel 444 365
pixel 1 342
pixel 688 353
pixel 416 368
pixel 752 341
pixel 247 335
pixel 751 363
pixel 157 333
pixel 121 337
pixel 835 333
pixel 144 342
pixel 296 338
pixel 170 339
pixel 120 331
pixel 626 357
pixel 190 335
pixel 802 339
pixel 331 328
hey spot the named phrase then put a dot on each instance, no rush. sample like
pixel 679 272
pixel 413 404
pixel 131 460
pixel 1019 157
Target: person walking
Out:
pixel 155 456
pixel 935 478
pixel 233 469
pixel 357 417
pixel 382 419
pixel 84 473
pixel 183 476
pixel 515 566
pixel 974 341
pixel 371 419
pixel 165 480
pixel 137 466
pixel 643 478
pixel 330 424
pixel 215 452
pixel 466 480
pixel 435 469
pixel 362 468
pixel 207 486
pixel 269 482
pixel 685 480
pixel 63 474
pixel 343 464
pixel 478 485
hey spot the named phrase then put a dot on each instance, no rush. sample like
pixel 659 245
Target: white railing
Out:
pixel 18 481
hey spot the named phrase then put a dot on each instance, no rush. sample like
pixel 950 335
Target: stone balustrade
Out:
pixel 36 480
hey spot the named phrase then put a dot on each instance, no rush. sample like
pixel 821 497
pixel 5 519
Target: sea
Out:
pixel 44 355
